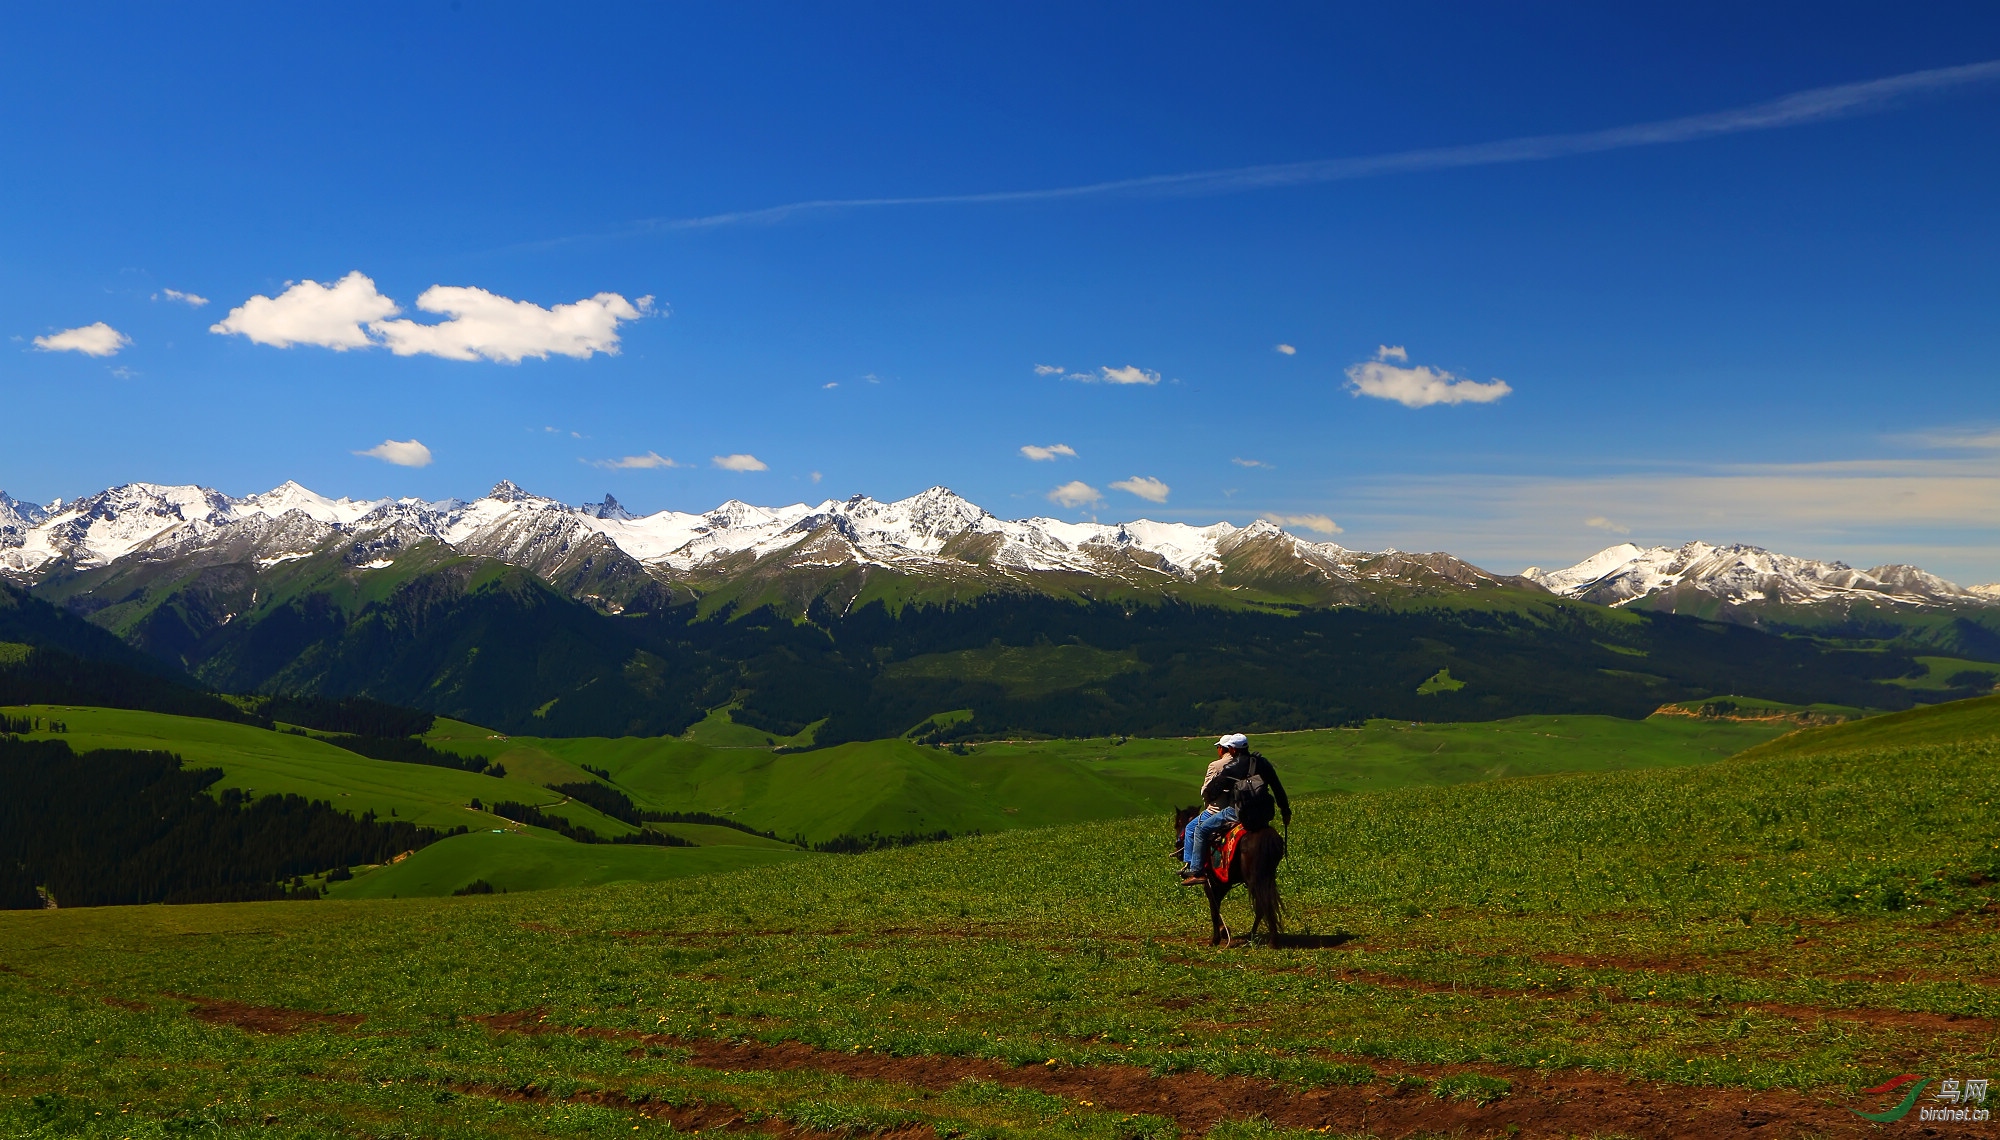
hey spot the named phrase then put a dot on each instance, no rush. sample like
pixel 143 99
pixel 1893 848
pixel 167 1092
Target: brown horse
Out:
pixel 1255 864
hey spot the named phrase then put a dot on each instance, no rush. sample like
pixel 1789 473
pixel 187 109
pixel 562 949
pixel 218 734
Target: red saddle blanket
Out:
pixel 1224 851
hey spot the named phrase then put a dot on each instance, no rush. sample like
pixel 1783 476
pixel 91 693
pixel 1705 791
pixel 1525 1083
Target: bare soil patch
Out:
pixel 263 1018
pixel 1540 1104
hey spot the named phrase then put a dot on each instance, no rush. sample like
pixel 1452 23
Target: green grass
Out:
pixel 1805 921
pixel 13 652
pixel 1388 754
pixel 532 860
pixel 894 786
pixel 1440 682
pixel 1977 718
pixel 719 730
pixel 276 763
pixel 1939 671
pixel 1025 671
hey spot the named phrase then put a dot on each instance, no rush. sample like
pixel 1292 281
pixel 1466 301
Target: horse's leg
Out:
pixel 1239 872
pixel 1215 892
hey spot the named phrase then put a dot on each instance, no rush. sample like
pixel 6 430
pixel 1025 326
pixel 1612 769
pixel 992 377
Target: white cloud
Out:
pixel 815 476
pixel 831 384
pixel 1129 375
pixel 739 462
pixel 1392 352
pixel 1319 524
pixel 1599 522
pixel 486 325
pixel 1287 349
pixel 1418 387
pixel 1040 454
pixel 352 313
pixel 1144 486
pixel 192 300
pixel 329 316
pixel 405 453
pixel 1049 370
pixel 1242 462
pixel 636 462
pixel 97 339
pixel 1075 493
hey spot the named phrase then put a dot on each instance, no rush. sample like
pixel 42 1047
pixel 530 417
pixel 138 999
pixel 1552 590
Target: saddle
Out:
pixel 1223 851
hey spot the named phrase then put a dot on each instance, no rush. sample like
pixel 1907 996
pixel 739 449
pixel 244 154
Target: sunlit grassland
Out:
pixel 1977 718
pixel 893 786
pixel 277 763
pixel 1738 923
pixel 531 859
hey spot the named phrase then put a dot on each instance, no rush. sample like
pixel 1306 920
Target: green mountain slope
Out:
pixel 492 643
pixel 1974 719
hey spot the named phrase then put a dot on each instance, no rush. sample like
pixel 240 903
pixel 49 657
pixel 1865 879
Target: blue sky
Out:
pixel 1776 327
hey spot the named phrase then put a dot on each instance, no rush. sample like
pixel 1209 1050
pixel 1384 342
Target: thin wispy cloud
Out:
pixel 1130 374
pixel 1051 452
pixel 1049 370
pixel 1956 439
pixel 648 461
pixel 1242 462
pixel 1819 104
pixel 192 300
pixel 1939 513
pixel 1284 349
pixel 739 462
pixel 1599 522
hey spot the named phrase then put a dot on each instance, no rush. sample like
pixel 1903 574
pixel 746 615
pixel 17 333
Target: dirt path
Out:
pixel 1540 1104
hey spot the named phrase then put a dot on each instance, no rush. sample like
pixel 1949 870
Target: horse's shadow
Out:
pixel 1297 941
pixel 1312 941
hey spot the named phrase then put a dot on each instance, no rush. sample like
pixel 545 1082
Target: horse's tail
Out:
pixel 1263 882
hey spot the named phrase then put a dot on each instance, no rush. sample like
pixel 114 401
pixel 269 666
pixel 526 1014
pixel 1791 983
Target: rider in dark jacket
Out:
pixel 1240 785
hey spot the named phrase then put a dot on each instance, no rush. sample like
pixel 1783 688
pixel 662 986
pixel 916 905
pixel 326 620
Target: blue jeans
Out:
pixel 1199 829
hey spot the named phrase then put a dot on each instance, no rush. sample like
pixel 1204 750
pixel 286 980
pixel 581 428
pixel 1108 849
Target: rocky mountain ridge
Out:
pixel 1742 575
pixel 602 552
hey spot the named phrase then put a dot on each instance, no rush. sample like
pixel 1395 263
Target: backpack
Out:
pixel 1252 798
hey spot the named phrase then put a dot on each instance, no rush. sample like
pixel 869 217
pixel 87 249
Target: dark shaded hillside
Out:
pixel 1195 670
pixel 482 641
pixel 28 620
pixel 117 827
pixel 70 661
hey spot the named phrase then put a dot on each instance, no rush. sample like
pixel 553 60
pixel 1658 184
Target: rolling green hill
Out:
pixel 1742 945
pixel 531 859
pixel 892 786
pixel 1974 719
pixel 262 762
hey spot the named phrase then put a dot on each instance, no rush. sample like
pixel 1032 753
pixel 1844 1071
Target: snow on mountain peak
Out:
pixel 1739 573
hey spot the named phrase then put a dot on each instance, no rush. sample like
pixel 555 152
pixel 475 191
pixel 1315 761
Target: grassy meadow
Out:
pixel 1726 948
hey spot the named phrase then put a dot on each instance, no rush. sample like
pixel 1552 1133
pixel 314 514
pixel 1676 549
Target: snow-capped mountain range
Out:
pixel 932 533
pixel 932 530
pixel 1742 575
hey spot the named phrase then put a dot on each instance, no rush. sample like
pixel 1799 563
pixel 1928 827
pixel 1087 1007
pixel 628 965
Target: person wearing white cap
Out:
pixel 1240 784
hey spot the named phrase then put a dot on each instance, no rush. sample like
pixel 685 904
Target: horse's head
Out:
pixel 1181 818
